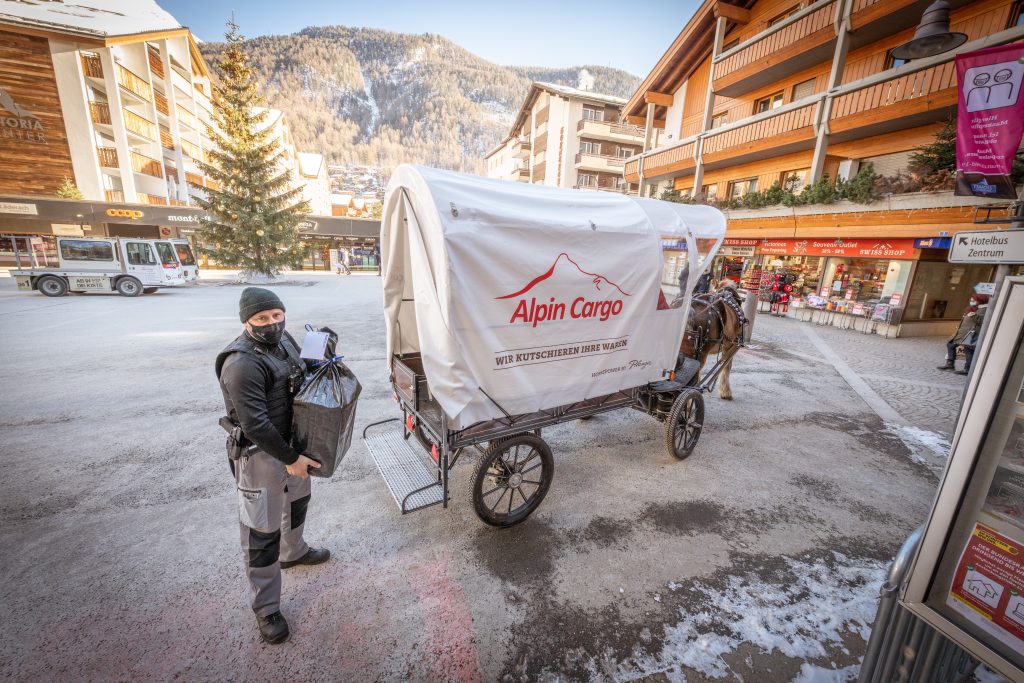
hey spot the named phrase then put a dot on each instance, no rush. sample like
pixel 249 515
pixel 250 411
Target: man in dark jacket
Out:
pixel 966 334
pixel 259 374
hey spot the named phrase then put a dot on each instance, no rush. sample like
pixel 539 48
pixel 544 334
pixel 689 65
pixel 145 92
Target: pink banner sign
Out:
pixel 990 120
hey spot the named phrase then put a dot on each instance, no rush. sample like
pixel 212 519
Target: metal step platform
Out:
pixel 411 483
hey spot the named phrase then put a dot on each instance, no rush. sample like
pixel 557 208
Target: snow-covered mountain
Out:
pixel 373 97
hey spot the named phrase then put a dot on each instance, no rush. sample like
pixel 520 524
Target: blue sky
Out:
pixel 625 35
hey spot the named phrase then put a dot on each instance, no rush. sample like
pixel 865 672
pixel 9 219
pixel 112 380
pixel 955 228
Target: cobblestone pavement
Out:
pixel 902 371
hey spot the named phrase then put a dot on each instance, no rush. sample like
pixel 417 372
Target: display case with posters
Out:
pixel 968 578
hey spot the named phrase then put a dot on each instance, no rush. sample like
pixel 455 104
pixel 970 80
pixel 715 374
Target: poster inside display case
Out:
pixel 968 580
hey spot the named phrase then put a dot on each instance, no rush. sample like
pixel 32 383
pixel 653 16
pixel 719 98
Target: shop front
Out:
pixel 735 260
pixel 894 287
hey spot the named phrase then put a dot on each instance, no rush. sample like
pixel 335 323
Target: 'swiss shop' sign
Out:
pixel 594 304
pixel 872 248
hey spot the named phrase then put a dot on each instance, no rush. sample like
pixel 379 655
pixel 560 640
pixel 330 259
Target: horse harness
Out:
pixel 703 333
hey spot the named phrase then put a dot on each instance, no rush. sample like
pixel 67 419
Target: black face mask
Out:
pixel 267 334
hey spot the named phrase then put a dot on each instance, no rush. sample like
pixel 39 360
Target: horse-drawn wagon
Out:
pixel 510 308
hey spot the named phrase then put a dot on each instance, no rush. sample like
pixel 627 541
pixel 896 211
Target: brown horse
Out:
pixel 715 326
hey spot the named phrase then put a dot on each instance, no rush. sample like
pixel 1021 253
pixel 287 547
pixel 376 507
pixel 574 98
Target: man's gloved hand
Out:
pixel 300 468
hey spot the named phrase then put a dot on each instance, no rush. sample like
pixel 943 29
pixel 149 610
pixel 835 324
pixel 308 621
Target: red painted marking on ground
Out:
pixel 448 622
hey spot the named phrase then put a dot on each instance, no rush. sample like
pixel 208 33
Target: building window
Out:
pixel 592 114
pixel 710 191
pixel 1017 14
pixel 586 180
pixel 587 147
pixel 783 15
pixel 738 188
pixel 891 62
pixel 803 89
pixel 624 152
pixel 719 120
pixel 686 192
pixel 794 181
pixel 773 101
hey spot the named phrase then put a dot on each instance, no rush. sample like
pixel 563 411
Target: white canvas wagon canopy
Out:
pixel 531 297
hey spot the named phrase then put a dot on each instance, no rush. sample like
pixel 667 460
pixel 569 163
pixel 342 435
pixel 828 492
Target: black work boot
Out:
pixel 947 366
pixel 962 372
pixel 312 556
pixel 273 628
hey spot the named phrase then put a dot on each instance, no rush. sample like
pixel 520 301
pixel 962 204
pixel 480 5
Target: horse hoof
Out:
pixel 727 398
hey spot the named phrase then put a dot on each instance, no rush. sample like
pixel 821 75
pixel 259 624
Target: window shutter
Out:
pixel 802 90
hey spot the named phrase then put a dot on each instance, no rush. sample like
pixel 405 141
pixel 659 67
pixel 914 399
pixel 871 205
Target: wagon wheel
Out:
pixel 684 424
pixel 511 479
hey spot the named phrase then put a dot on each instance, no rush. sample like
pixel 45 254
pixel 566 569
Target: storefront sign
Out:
pixel 849 295
pixel 165 231
pixel 69 229
pixel 19 208
pixel 895 299
pixel 740 242
pixel 307 226
pixel 988 288
pixel 133 214
pixel 990 120
pixel 17 122
pixel 988 588
pixel 933 243
pixel 874 248
pixel 988 246
pixel 737 251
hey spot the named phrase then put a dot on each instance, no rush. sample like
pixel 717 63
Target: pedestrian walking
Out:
pixel 259 373
pixel 966 335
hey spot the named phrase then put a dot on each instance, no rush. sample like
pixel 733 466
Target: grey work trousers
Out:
pixel 272 513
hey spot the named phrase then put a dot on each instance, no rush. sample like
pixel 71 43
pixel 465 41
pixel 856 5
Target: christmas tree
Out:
pixel 253 214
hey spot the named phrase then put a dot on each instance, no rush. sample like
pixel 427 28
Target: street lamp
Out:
pixel 932 36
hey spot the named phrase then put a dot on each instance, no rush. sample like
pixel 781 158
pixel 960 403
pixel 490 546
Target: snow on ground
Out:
pixel 803 614
pixel 926 448
pixel 816 674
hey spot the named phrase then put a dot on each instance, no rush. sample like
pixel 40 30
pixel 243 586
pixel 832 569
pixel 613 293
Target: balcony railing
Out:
pixel 114 196
pixel 166 140
pixel 99 112
pixel 632 168
pixel 146 165
pixel 161 104
pixel 191 150
pixel 790 38
pixel 91 65
pixel 151 199
pixel 930 89
pixel 139 125
pixel 600 160
pixel 107 157
pixel 133 84
pixel 156 64
pixel 186 118
pixel 761 130
pixel 178 202
pixel 211 183
pixel 610 128
pixel 193 179
pixel 678 156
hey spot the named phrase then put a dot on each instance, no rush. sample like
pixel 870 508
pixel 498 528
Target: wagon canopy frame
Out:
pixel 459 251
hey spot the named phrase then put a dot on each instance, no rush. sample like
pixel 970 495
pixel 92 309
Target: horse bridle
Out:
pixel 702 333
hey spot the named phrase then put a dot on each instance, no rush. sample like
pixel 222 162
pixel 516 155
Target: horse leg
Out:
pixel 724 390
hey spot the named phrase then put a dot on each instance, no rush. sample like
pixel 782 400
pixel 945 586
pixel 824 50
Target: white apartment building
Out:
pixel 567 137
pixel 316 186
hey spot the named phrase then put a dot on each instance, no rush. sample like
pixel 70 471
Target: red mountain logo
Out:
pixel 598 280
pixel 533 312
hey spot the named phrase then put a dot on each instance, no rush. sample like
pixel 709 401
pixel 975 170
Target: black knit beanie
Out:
pixel 256 299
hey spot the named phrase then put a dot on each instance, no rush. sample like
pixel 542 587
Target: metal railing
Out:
pixel 99 112
pixel 146 165
pixel 902 647
pixel 107 157
pixel 133 83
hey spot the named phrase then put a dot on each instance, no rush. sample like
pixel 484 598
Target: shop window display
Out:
pixel 941 291
pixel 865 280
pixel 806 272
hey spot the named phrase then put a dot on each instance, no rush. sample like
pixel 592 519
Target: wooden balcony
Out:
pixel 151 199
pixel 156 64
pixel 114 196
pixel 599 162
pixel 211 184
pixel 611 131
pixel 194 179
pixel 897 103
pixel 678 158
pixel 146 165
pixel 166 140
pixel 99 112
pixel 107 157
pixel 186 118
pixel 190 150
pixel 161 104
pixel 178 202
pixel 140 126
pixel 170 172
pixel 788 130
pixel 133 83
pixel 91 65
pixel 805 39
pixel 538 172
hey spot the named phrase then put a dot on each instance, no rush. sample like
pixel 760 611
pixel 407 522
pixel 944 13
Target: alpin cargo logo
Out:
pixel 533 312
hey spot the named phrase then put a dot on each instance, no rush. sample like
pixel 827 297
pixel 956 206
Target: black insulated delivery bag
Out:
pixel 324 414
